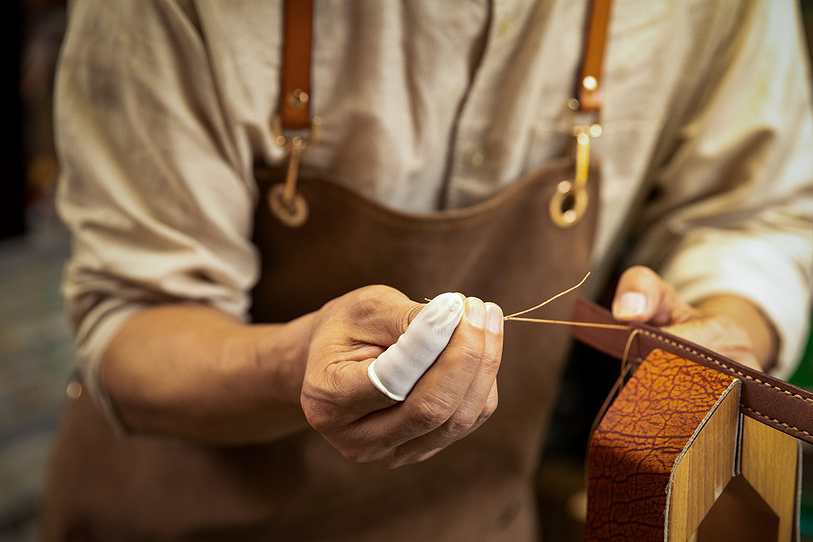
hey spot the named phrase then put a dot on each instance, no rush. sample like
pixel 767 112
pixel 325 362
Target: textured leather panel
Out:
pixel 639 441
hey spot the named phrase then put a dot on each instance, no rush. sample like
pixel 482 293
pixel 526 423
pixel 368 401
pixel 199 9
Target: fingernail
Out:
pixel 494 321
pixel 630 305
pixel 476 312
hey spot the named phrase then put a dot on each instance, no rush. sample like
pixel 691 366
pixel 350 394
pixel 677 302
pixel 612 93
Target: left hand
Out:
pixel 727 324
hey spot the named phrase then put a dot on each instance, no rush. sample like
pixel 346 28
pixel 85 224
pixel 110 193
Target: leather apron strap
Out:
pixel 567 205
pixel 591 75
pixel 295 83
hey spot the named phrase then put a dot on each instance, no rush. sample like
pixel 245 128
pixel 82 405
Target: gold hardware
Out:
pixel 568 204
pixel 74 389
pixel 292 212
pixel 298 98
pixel 285 202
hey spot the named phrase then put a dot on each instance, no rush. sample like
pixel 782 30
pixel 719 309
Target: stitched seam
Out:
pixel 791 427
pixel 723 365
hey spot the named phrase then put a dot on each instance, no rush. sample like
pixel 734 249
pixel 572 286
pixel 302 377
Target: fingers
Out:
pixel 454 397
pixel 479 400
pixel 352 331
pixel 396 371
pixel 643 296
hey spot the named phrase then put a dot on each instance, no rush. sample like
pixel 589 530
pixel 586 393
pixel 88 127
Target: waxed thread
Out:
pixel 517 316
pixel 617 385
pixel 619 382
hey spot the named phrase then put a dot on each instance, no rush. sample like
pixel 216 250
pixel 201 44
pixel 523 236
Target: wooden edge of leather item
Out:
pixel 772 401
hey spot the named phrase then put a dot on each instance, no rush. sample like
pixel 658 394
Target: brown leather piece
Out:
pixel 770 400
pixel 639 441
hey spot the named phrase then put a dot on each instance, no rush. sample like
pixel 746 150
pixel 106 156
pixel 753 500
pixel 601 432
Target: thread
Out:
pixel 516 317
pixel 557 296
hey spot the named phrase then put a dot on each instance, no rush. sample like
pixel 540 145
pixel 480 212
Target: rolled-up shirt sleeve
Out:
pixel 733 212
pixel 155 188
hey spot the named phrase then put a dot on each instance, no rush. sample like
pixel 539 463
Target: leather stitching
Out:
pixel 724 366
pixel 766 417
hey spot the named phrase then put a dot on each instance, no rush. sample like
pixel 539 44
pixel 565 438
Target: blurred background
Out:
pixel 36 357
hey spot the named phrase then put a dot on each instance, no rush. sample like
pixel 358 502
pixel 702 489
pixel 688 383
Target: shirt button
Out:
pixel 476 158
pixel 506 26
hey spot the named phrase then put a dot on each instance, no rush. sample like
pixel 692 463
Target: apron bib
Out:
pixel 505 250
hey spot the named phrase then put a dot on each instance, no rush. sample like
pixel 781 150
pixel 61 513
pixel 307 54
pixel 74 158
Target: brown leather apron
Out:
pixel 507 249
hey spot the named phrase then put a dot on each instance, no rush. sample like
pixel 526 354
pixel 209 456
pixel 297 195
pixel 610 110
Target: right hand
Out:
pixel 453 398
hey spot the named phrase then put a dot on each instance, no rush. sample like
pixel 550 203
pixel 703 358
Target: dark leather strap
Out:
pixel 295 91
pixel 774 402
pixel 295 85
pixel 590 76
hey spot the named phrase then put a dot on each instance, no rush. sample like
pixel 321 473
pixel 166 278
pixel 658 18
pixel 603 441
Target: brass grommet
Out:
pixel 292 213
pixel 567 206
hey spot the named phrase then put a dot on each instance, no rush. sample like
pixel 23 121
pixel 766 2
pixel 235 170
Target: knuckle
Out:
pixel 367 301
pixel 470 353
pixel 431 412
pixel 460 424
pixel 358 455
pixel 393 461
pixel 489 408
pixel 316 415
pixel 358 450
pixel 491 362
pixel 322 407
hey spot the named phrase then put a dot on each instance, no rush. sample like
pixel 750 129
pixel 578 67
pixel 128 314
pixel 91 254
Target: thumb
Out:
pixel 643 296
pixel 397 369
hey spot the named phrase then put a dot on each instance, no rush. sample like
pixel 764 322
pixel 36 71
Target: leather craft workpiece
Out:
pixel 769 400
pixel 651 428
pixel 694 446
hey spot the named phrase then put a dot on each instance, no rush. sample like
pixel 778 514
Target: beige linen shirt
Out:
pixel 163 106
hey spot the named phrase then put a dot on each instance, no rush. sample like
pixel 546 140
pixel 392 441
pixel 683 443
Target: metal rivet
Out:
pixel 573 104
pixel 595 130
pixel 74 389
pixel 507 26
pixel 590 82
pixel 298 98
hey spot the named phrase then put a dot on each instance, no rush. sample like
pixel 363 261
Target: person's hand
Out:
pixel 453 398
pixel 726 324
